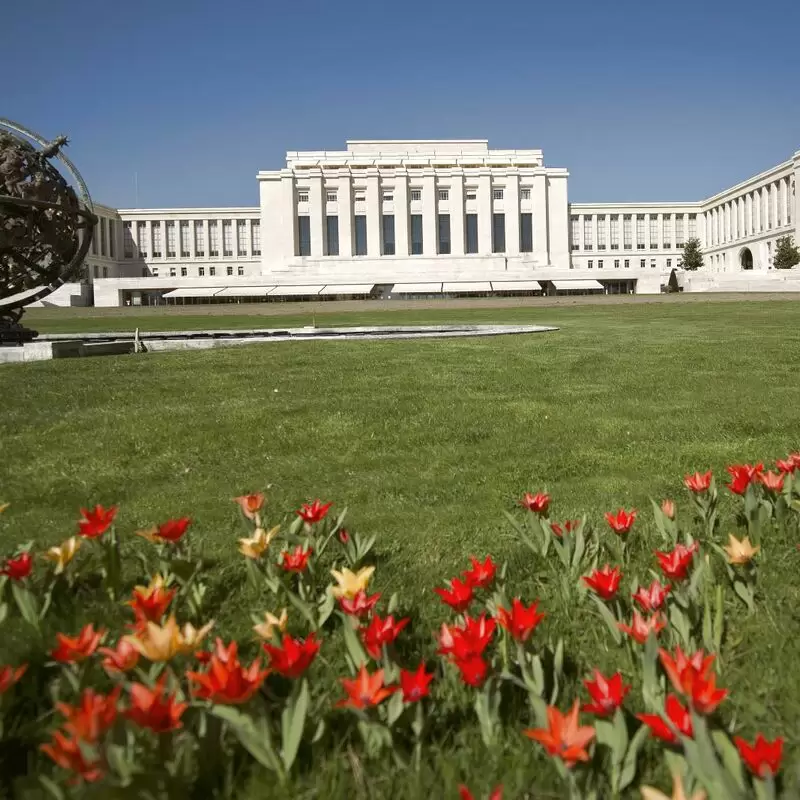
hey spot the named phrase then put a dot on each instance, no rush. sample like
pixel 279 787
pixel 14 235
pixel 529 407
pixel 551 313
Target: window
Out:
pixel 576 232
pixel 127 240
pixel 255 236
pixel 359 197
pixel 497 194
pixel 171 236
pixel 241 237
pixel 229 270
pixel 184 239
pixel 642 263
pixel 692 226
pixel 155 271
pixel 102 236
pixel 590 263
pixel 524 194
pixel 184 272
pixel 444 234
pixel 679 230
pixel 526 233
pixel 199 246
pixel 360 230
pixel 111 240
pixel 105 272
pixel 212 271
pixel 332 235
pixel 471 233
pixel 472 194
pixel 768 204
pixel 652 263
pixel 388 197
pixel 498 233
pixel 240 270
pixel 653 232
pixel 669 263
pixel 601 232
pixel 331 196
pixel 303 236
pixel 588 239
pixel 213 238
pixel 201 271
pixel 227 237
pixel 416 194
pixel 94 237
pixel 600 264
pixel 416 234
pixel 302 197
pixel 640 231
pixel 627 263
pixel 173 272
pixel 156 227
pixel 615 231
pixel 444 194
pixel 141 239
pixel 616 263
pixel 627 232
pixel 387 231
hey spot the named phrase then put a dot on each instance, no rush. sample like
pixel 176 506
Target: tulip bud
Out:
pixel 668 507
pixel 344 536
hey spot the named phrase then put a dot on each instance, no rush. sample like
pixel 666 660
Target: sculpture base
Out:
pixel 14 334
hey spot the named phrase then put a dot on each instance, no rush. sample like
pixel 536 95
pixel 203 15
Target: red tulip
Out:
pixel 482 574
pixel 564 737
pixel 640 628
pixel 120 660
pixel 693 678
pixel 668 509
pixel 468 640
pixel 296 560
pixel 466 794
pixel 772 481
pixel 520 622
pixel 173 529
pixel 344 536
pixel 675 565
pixel 458 596
pixel 294 656
pixel 622 521
pixel 94 715
pixel 607 693
pixel 652 598
pixel 537 503
pixel 763 758
pixel 155 708
pixel 313 512
pixel 69 753
pixel 359 605
pixel 226 680
pixel 568 526
pixel 604 582
pixel 699 482
pixel 473 670
pixel 795 459
pixel 365 690
pixel 18 568
pixel 742 476
pixel 74 649
pixel 787 466
pixel 97 521
pixel 415 684
pixel 150 603
pixel 676 714
pixel 10 675
pixel 381 632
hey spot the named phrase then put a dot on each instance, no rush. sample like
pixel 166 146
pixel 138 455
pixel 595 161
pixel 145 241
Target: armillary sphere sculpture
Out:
pixel 46 227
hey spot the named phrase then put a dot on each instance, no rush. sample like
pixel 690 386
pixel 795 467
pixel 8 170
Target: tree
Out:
pixel 786 253
pixel 692 257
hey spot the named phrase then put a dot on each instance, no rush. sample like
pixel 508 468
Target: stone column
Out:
pixel 558 218
pixel 374 205
pixel 288 204
pixel 316 214
pixel 457 215
pixel 344 202
pixel 401 213
pixel 541 249
pixel 511 208
pixel 430 206
pixel 485 213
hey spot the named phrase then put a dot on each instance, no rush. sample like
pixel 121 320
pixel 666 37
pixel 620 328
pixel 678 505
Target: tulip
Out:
pixel 763 758
pixel 255 546
pixel 97 521
pixel 604 582
pixel 469 640
pixel 150 603
pixel 191 637
pixel 271 623
pixel 568 526
pixel 19 567
pixel 4 506
pixel 564 738
pixel 675 565
pixel 740 552
pixel 170 531
pixel 652 598
pixel 787 466
pixel 349 583
pixel 250 504
pixel 69 753
pixel 414 685
pixel 536 503
pixel 164 642
pixel 668 509
pixel 294 656
pixel 365 690
pixel 94 715
pixel 9 676
pixel 343 536
pixel 622 521
pixel 473 670
pixel 742 476
pixel 466 794
pixel 296 560
pixel 73 650
pixel 381 632
pixel 359 605
pixel 693 678
pixel 458 596
pixel 227 681
pixel 649 793
pixel 154 708
pixel 678 716
pixel 313 512
pixel 63 554
pixel 699 482
pixel 640 628
pixel 772 481
pixel 120 660
pixel 482 574
pixel 607 693
pixel 520 622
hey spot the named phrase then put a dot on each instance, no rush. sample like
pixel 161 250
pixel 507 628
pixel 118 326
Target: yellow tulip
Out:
pixel 649 793
pixel 265 629
pixel 164 642
pixel 351 583
pixel 4 506
pixel 191 637
pixel 740 552
pixel 255 546
pixel 63 554
pixel 156 582
pixel 150 534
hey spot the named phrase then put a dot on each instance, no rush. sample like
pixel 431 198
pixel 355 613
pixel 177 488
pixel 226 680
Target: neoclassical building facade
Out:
pixel 398 219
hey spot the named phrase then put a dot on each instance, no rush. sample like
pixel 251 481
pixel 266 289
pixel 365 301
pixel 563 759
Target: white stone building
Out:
pixel 433 218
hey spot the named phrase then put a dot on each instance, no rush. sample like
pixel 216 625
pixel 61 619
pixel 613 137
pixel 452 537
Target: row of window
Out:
pixel 627 262
pixel 104 241
pixel 388 241
pixel 608 227
pixel 415 195
pixel 188 232
pixel 201 271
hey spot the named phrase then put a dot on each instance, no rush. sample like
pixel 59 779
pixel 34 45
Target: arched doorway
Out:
pixel 746 258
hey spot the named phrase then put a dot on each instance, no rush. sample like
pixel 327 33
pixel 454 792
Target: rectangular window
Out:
pixel 526 233
pixel 444 234
pixel 627 263
pixel 331 197
pixel 302 197
pixel 667 231
pixel 524 194
pixel 416 234
pixel 229 270
pixel 105 269
pixel 588 239
pixel 600 264
pixel 304 236
pixel 616 263
pixel 601 232
pixel 627 232
pixel 156 227
pixel 679 230
pixel 653 232
pixel 615 231
pixel 416 194
pixel 127 240
pixel 498 233
pixel 102 236
pixel 332 235
pixel 590 263
pixel 444 194
pixel 669 263
pixel 173 272
pixel 172 245
pixel 111 240
pixel 201 271
pixel 642 263
pixel 388 197
pixel 185 239
pixel 359 197
pixel 213 239
pixel 576 232
pixel 240 270
pixel 184 272
pixel 212 271
pixel 360 231
pixel 154 269
pixel 640 231
pixel 199 245
pixel 241 237
pixel 472 194
pixel 387 233
pixel 227 237
pixel 471 233
pixel 141 239
pixel 692 226
pixel 497 194
pixel 652 263
pixel 255 236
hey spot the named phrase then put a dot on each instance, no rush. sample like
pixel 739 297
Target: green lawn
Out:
pixel 427 443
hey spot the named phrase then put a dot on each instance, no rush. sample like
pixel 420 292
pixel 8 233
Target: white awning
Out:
pixel 417 288
pixel 295 291
pixel 473 288
pixel 193 292
pixel 245 291
pixel 348 288
pixel 587 284
pixel 516 286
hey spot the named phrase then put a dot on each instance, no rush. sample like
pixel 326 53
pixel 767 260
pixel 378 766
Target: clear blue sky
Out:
pixel 640 100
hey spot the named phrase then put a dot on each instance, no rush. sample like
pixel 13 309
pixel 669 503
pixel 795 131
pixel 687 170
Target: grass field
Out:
pixel 427 443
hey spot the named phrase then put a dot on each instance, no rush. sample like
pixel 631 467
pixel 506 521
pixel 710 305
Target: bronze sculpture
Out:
pixel 46 227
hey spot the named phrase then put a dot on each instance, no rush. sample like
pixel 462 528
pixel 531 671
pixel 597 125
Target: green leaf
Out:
pixel 730 757
pixel 293 721
pixel 364 547
pixel 253 736
pixel 52 787
pixel 3 612
pixel 608 618
pixel 319 732
pixel 628 772
pixel 26 603
pixel 115 755
pixel 580 547
pixel 354 649
pixel 303 607
pixel 745 593
pixel 719 618
pixel 393 603
pixel 326 607
pixel 523 534
pixel 394 708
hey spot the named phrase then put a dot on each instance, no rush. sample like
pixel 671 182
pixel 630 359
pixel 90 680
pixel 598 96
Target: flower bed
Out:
pixel 162 704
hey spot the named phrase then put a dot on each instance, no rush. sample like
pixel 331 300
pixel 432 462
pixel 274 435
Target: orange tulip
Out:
pixel 150 603
pixel 78 648
pixel 122 659
pixel 365 690
pixel 155 708
pixel 250 504
pixel 94 715
pixel 9 676
pixel 564 738
pixel 71 754
pixel 227 681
